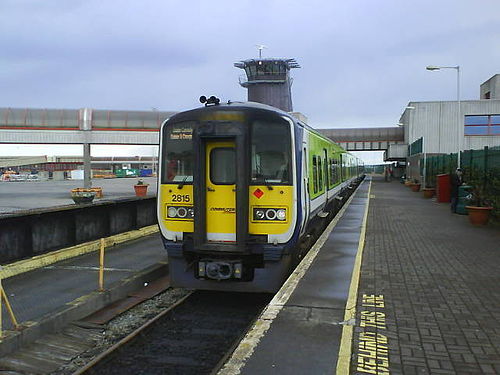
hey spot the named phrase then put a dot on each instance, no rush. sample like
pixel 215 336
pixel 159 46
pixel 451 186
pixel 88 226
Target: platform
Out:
pixel 28 195
pixel 67 290
pixel 427 301
pixel 431 281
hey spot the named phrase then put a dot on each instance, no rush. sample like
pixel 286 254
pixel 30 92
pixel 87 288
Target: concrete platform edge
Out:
pixel 77 309
pixel 248 344
pixel 39 261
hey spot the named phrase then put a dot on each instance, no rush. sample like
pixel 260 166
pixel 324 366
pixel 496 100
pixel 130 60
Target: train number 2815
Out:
pixel 181 198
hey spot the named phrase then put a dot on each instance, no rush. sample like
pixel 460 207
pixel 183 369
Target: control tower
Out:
pixel 268 81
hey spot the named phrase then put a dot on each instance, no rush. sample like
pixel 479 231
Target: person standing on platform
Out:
pixel 456 181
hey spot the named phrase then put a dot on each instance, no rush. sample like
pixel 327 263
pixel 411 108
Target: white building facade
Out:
pixel 445 127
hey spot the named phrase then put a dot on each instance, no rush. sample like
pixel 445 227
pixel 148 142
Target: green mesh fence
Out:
pixel 438 164
pixel 485 159
pixel 482 169
pixel 416 147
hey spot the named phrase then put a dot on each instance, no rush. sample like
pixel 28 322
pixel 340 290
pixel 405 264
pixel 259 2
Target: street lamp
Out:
pixel 432 68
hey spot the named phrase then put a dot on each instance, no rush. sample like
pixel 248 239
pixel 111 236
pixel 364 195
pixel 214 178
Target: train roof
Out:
pixel 256 105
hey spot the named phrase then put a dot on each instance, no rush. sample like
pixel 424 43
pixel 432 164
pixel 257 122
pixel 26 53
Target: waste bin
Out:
pixel 443 188
pixel 463 192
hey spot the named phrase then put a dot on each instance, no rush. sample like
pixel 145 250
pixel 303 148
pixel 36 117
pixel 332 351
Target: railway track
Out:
pixel 191 337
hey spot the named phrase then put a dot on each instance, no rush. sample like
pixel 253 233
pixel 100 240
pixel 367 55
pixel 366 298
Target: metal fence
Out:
pixel 485 159
pixel 481 167
pixel 438 164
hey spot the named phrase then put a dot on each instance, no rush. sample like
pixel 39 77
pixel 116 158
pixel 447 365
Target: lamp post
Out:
pixel 432 67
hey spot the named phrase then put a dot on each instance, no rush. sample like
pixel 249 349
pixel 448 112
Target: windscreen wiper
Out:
pixel 268 184
pixel 182 183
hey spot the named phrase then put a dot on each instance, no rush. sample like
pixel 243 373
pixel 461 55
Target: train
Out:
pixel 243 190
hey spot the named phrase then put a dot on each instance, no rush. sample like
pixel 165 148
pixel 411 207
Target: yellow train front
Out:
pixel 227 197
pixel 244 189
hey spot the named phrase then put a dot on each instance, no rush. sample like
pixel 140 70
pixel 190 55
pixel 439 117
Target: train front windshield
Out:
pixel 270 153
pixel 178 153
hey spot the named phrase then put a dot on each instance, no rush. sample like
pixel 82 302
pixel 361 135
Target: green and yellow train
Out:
pixel 243 187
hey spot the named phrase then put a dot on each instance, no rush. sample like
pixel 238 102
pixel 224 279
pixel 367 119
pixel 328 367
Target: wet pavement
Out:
pixel 429 293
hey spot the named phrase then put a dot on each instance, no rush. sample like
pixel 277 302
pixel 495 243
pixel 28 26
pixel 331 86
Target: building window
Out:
pixel 482 125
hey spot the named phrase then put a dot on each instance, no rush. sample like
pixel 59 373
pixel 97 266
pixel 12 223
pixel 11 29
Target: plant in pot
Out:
pixel 415 186
pixel 429 191
pixel 141 188
pixel 82 196
pixel 479 205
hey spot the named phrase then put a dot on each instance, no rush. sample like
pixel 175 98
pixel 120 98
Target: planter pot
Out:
pixel 82 196
pixel 141 190
pixel 98 192
pixel 415 188
pixel 429 192
pixel 479 215
pixel 408 183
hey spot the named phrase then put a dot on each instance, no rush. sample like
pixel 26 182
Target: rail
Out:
pixel 203 325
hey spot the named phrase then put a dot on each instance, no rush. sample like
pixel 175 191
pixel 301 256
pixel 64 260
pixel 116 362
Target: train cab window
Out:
pixel 223 166
pixel 315 175
pixel 271 152
pixel 178 153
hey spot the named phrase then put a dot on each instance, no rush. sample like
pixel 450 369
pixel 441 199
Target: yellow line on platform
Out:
pixel 40 261
pixel 344 359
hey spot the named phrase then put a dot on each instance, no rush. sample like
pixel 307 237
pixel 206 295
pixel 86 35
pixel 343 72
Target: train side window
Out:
pixel 320 174
pixel 332 171
pixel 315 175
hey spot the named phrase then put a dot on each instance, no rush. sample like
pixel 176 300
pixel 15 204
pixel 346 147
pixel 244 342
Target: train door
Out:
pixel 221 191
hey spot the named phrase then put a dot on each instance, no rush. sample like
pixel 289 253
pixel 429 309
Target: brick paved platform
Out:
pixel 429 293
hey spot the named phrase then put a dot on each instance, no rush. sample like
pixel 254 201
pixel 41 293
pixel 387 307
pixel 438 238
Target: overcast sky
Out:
pixel 362 61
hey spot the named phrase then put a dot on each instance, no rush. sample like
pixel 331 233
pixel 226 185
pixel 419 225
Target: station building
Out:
pixel 444 127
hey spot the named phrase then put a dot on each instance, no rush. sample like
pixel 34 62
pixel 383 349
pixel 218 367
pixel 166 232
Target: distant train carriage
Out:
pixel 242 189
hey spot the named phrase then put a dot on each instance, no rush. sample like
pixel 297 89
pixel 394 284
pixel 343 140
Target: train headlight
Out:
pixel 269 214
pixel 281 214
pixel 259 214
pixel 180 212
pixel 172 212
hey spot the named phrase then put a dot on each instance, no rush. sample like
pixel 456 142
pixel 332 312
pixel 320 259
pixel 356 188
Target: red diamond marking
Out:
pixel 258 193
